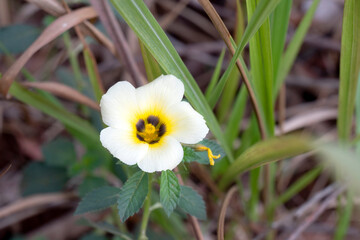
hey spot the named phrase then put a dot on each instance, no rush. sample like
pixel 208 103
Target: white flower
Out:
pixel 147 124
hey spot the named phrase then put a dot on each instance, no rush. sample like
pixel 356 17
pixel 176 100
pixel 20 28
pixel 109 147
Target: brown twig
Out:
pixel 34 201
pixel 107 17
pixel 222 215
pixel 193 220
pixel 316 214
pixel 225 35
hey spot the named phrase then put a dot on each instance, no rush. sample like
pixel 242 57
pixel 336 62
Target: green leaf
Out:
pixel 17 38
pixel 169 191
pixel 262 69
pixel 59 153
pixel 93 74
pixel 349 67
pixel 40 178
pixel 215 77
pixel 152 68
pixel 294 46
pixel 132 195
pixel 89 184
pixel 266 152
pixel 279 25
pixel 192 203
pixel 140 19
pixel 98 199
pixel 189 155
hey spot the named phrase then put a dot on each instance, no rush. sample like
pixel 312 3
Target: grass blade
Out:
pixel 294 46
pixel 85 132
pixel 279 25
pixel 349 67
pixel 214 79
pixel 265 152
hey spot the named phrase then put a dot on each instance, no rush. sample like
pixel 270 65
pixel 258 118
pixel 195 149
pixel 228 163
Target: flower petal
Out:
pixel 122 145
pixel 164 91
pixel 189 126
pixel 165 155
pixel 118 105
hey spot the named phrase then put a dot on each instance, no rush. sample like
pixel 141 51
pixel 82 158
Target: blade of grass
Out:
pixel 152 68
pixel 349 73
pixel 54 30
pixel 234 123
pixel 279 25
pixel 140 19
pixel 349 67
pixel 85 132
pixel 266 152
pixel 231 87
pixel 215 77
pixel 262 69
pixel 294 46
pixel 93 73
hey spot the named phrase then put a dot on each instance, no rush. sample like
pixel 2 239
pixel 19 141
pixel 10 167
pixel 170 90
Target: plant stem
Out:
pixel 146 213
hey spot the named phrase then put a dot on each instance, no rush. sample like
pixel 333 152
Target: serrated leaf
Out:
pixel 169 191
pixel 40 178
pixel 192 203
pixel 132 195
pixel 98 199
pixel 189 155
pixel 59 153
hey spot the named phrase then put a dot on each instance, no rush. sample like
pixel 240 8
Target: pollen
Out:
pixel 211 156
pixel 150 130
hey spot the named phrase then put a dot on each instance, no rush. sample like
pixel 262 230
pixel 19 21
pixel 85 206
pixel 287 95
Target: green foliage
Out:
pixel 266 152
pixel 132 195
pixel 98 199
pixel 349 67
pixel 169 191
pixel 294 46
pixel 192 203
pixel 59 153
pixel 41 178
pixel 90 183
pixel 17 38
pixel 262 68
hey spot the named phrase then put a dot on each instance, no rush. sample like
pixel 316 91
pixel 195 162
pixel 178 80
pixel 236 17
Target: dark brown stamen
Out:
pixel 140 125
pixel 162 130
pixel 140 137
pixel 155 141
pixel 153 120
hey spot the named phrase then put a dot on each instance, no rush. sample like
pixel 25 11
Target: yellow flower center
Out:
pixel 150 130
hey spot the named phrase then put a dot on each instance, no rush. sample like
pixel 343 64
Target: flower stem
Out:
pixel 146 213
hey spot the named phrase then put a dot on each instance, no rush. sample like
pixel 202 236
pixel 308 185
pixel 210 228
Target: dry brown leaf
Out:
pixel 54 30
pixel 64 91
pixel 53 7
